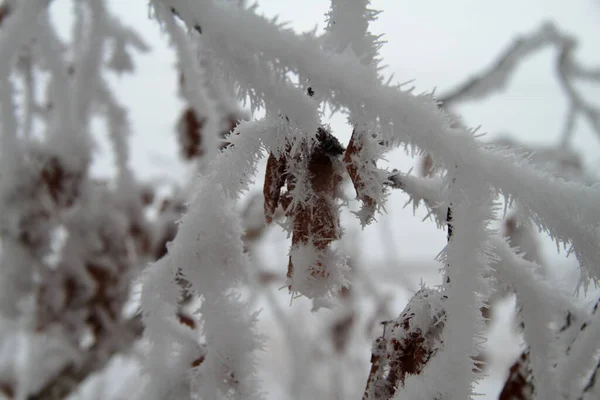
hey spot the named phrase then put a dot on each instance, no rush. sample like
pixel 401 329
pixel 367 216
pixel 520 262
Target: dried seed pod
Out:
pixel 189 129
pixel 275 178
pixel 316 223
pixel 353 161
pixel 314 218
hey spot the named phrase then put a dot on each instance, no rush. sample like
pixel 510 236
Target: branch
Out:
pixel 519 383
pixel 71 376
pixel 568 212
pixel 496 77
pixel 407 346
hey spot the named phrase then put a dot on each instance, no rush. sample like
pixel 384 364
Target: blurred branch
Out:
pixel 71 376
pixel 496 77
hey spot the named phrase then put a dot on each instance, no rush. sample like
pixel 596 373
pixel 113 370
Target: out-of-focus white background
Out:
pixel 438 44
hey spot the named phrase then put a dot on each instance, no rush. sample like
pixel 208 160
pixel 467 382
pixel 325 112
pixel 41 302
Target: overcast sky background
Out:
pixel 438 44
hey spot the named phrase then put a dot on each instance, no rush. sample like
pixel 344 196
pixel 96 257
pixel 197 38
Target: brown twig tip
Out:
pixel 190 134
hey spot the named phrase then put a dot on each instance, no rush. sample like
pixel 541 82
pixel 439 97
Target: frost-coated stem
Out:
pixel 467 262
pixel 538 304
pixel 16 30
pixel 578 364
pixel 194 90
pixel 568 70
pixel 581 342
pixel 88 61
pixel 29 104
pixel 10 159
pixel 118 131
pixel 60 95
pixel 348 33
pixel 254 75
pixel 208 250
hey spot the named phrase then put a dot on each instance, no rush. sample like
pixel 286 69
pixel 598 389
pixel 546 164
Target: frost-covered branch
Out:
pixel 567 211
pixel 73 247
pixel 228 367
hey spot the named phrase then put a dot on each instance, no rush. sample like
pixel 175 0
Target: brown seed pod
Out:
pixel 317 222
pixel 351 160
pixel 275 178
pixel 189 128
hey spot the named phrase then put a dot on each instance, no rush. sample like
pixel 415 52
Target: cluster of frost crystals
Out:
pixel 207 253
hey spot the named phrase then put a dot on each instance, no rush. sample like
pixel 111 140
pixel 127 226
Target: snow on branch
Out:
pixel 541 306
pixel 348 29
pixel 428 190
pixel 194 90
pixel 347 33
pixel 568 211
pixel 467 259
pixel 209 252
pixel 577 371
pixel 407 345
pixel 538 304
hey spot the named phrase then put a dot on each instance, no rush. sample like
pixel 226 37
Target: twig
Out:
pixel 497 76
